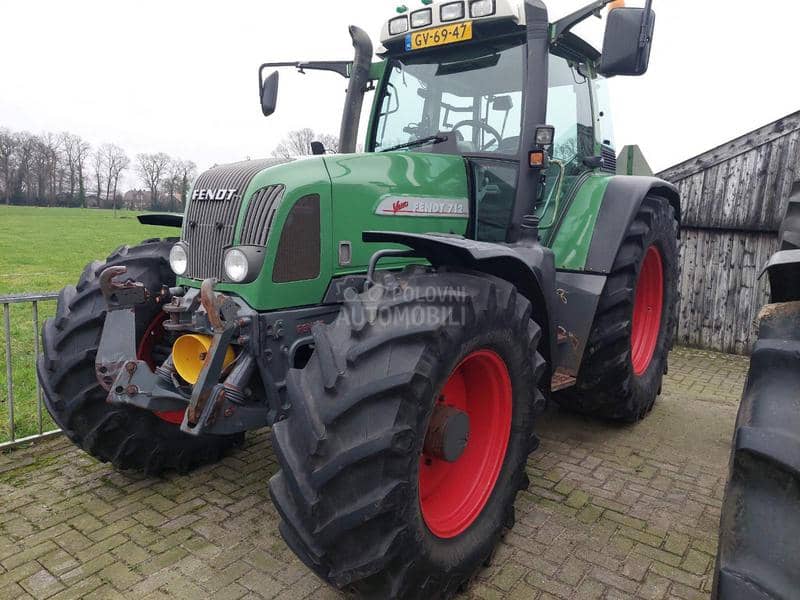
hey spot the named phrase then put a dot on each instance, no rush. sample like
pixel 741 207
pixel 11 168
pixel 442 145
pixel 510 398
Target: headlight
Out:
pixel 452 12
pixel 422 18
pixel 179 259
pixel 545 135
pixel 398 25
pixel 481 8
pixel 243 264
pixel 236 265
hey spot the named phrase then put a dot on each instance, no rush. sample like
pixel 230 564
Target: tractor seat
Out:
pixel 509 145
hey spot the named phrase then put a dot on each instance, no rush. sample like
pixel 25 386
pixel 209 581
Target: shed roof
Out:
pixel 742 144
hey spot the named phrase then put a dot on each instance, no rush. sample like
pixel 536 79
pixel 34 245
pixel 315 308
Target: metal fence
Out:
pixel 33 300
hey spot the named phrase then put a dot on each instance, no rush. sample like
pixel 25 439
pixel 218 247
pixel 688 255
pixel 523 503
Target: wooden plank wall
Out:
pixel 733 199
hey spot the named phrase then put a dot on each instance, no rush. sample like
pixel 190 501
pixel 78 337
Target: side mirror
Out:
pixel 269 94
pixel 628 40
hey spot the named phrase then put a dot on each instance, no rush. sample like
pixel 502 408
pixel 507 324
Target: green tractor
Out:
pixel 400 316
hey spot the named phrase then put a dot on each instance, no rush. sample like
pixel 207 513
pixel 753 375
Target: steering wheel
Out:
pixel 481 125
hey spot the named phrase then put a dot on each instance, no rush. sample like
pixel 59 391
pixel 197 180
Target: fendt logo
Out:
pixel 218 195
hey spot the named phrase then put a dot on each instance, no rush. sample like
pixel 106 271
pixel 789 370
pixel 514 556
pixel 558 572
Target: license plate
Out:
pixel 439 36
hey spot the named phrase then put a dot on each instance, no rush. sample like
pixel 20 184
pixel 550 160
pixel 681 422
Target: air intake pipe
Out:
pixel 354 101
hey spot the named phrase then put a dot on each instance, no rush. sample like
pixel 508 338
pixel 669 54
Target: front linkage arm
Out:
pixel 208 395
pixel 130 381
pixel 118 341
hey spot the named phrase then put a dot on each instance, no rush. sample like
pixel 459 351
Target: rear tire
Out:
pixel 627 351
pixel 128 437
pixel 759 544
pixel 350 451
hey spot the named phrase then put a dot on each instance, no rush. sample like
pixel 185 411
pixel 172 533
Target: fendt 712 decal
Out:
pixel 423 207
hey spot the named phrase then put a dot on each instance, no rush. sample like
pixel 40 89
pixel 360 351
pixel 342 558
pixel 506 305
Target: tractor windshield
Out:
pixel 470 98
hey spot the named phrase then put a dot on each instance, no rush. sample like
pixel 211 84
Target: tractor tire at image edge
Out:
pixel 760 520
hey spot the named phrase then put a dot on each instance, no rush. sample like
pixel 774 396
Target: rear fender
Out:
pixel 531 268
pixel 622 200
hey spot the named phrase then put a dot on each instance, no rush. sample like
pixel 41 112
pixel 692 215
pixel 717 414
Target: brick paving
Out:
pixel 612 512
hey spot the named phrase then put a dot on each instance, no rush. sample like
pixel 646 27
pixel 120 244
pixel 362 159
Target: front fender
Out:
pixel 531 268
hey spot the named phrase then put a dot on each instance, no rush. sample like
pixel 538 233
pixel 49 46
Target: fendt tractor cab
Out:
pixel 398 316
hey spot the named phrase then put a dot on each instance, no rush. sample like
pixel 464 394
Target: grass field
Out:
pixel 42 250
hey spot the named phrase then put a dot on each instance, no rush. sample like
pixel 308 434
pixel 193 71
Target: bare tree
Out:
pixel 170 184
pixel 60 169
pixel 50 149
pixel 298 143
pixel 24 180
pixel 82 149
pixel 41 171
pixel 180 174
pixel 152 169
pixel 115 161
pixel 8 149
pixel 98 166
pixel 75 151
pixel 68 146
pixel 188 175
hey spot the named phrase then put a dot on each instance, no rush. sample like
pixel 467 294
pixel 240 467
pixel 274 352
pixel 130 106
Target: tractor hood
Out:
pixel 304 219
pixel 395 191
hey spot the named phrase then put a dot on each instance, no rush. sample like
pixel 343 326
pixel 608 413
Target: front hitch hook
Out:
pixel 220 309
pixel 121 295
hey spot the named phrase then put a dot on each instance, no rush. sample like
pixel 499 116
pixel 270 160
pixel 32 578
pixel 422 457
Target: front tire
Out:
pixel 627 351
pixel 128 437
pixel 362 502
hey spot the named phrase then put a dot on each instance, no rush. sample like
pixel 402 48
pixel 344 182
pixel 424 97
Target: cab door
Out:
pixel 570 111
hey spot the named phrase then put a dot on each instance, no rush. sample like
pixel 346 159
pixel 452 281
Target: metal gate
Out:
pixel 33 300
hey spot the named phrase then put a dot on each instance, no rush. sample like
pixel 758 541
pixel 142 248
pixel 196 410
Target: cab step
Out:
pixel 562 380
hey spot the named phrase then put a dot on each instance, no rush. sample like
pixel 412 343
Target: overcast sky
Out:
pixel 181 77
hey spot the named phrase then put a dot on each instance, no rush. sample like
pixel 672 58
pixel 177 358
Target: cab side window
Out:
pixel 569 110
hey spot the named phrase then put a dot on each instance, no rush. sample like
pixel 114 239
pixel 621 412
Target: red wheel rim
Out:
pixel 154 334
pixel 647 309
pixel 453 494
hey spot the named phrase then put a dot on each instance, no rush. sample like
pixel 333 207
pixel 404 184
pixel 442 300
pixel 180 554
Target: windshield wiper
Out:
pixel 431 139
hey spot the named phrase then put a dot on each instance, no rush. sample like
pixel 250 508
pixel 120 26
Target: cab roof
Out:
pixel 397 28
pixel 503 16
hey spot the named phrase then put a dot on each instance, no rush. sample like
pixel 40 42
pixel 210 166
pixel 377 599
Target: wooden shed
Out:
pixel 733 200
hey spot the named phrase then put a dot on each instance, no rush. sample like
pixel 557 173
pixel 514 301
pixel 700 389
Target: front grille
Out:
pixel 609 159
pixel 260 213
pixel 298 256
pixel 210 224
